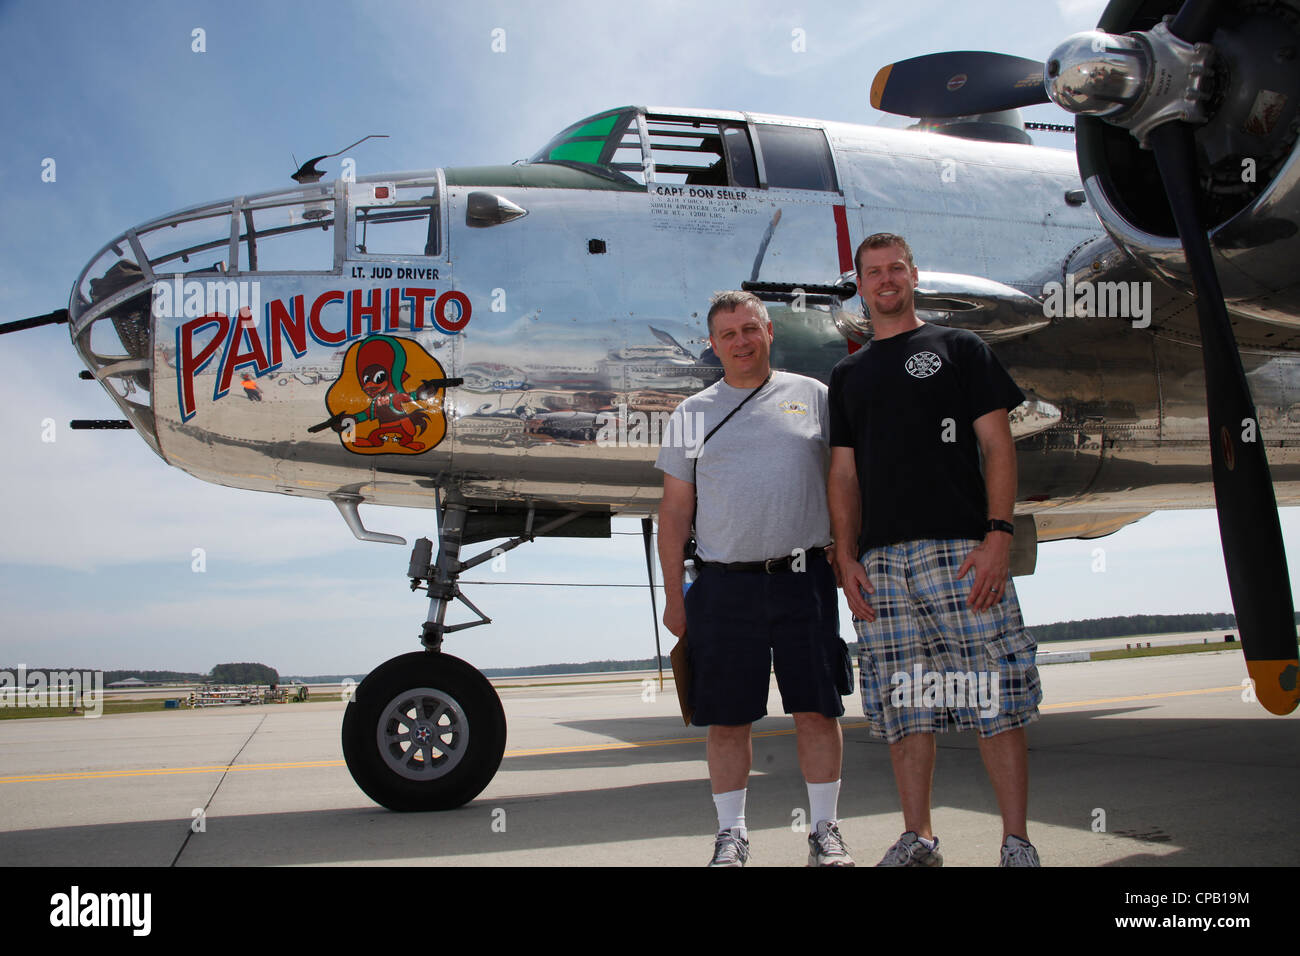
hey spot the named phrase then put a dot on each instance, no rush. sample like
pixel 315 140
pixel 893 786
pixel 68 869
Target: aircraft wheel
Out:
pixel 424 731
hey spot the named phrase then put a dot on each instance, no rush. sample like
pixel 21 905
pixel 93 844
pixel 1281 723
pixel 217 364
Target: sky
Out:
pixel 97 551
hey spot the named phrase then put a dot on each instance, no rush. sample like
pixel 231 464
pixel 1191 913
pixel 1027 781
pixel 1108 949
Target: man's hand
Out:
pixel 844 499
pixel 853 580
pixel 991 559
pixel 675 616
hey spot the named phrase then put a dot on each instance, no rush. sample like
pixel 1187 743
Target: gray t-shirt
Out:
pixel 761 479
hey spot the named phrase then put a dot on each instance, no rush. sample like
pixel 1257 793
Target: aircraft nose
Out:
pixel 110 321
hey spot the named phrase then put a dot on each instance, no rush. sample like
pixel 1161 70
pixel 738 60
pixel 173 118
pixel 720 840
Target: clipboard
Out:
pixel 680 658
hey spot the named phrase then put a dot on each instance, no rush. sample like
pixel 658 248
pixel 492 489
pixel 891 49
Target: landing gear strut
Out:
pixel 426 731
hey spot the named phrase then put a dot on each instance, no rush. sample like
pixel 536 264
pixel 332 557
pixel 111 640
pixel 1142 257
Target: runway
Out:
pixel 1154 762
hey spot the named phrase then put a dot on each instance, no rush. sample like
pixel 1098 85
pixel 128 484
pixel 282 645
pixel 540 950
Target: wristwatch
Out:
pixel 996 524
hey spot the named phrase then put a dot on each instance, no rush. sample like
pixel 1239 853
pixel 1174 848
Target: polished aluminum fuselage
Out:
pixel 589 312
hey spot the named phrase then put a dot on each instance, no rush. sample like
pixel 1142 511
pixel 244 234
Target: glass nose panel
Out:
pixel 196 245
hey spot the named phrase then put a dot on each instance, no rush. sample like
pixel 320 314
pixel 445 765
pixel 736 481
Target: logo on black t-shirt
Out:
pixel 923 365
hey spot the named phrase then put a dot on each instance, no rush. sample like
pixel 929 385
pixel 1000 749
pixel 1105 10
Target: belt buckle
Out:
pixel 767 565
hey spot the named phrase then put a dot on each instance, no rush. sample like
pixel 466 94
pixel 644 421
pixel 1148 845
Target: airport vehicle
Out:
pixel 454 338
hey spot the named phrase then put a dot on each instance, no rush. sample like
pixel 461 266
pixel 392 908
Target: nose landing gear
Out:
pixel 426 730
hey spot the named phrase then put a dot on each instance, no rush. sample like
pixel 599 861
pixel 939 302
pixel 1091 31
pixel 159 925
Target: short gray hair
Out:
pixel 731 300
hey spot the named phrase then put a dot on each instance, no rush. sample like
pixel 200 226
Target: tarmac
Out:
pixel 1148 762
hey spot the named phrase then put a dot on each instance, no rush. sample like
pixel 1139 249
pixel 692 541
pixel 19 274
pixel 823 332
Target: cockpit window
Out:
pixel 796 157
pixel 701 152
pixel 586 144
pixel 695 151
pixel 400 219
pixel 609 142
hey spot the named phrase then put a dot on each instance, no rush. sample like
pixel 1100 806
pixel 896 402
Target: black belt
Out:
pixel 771 565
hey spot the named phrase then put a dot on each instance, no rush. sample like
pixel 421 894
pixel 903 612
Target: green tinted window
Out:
pixel 577 151
pixel 597 127
pixel 591 141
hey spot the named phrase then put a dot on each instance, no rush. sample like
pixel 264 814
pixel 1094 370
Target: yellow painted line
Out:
pixel 549 751
pixel 629 745
pixel 164 771
pixel 1121 700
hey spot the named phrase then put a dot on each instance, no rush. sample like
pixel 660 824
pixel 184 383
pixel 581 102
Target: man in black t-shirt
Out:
pixel 922 490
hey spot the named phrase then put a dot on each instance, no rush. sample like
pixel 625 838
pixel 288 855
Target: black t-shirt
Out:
pixel 907 406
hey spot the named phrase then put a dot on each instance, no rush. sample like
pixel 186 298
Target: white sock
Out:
pixel 731 810
pixel 823 802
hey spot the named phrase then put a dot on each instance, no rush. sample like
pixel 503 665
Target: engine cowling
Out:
pixel 1247 152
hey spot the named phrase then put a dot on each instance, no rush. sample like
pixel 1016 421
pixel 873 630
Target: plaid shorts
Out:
pixel 928 661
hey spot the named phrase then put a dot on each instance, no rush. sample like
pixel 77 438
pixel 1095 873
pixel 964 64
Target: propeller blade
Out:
pixel 1195 20
pixel 965 83
pixel 1243 489
pixel 56 317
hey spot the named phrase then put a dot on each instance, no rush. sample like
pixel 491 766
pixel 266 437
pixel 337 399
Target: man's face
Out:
pixel 742 340
pixel 887 282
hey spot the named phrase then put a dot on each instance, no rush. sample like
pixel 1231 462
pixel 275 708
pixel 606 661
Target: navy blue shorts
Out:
pixel 741 624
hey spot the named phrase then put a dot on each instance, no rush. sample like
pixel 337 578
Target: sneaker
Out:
pixel 910 851
pixel 826 846
pixel 730 848
pixel 1018 852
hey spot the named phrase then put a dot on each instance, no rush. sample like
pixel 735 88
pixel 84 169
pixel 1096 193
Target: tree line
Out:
pixel 1131 625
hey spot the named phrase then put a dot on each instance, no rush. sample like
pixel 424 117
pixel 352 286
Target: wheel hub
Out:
pixel 422 733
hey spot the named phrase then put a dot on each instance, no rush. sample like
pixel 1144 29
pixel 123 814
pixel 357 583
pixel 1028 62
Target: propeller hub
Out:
pixel 1138 81
pixel 1097 74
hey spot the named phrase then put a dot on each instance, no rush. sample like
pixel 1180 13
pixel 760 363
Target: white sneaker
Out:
pixel 1018 852
pixel 908 850
pixel 826 846
pixel 730 848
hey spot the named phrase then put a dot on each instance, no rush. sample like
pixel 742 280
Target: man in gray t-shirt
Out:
pixel 776 448
pixel 765 594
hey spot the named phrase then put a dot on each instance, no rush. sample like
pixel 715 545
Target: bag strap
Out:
pixel 695 463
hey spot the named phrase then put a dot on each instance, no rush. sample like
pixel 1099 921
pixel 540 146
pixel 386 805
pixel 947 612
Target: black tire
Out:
pixel 452 705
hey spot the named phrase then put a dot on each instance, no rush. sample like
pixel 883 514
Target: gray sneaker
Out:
pixel 730 848
pixel 826 846
pixel 1018 852
pixel 910 851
